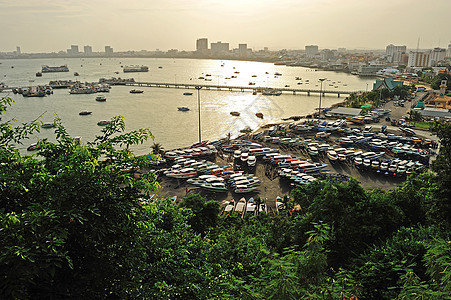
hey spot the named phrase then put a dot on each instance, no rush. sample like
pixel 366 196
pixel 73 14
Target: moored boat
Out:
pixel 84 113
pixel 183 108
pixel 187 94
pixel 48 125
pixel 259 115
pixel 136 91
pixel 235 113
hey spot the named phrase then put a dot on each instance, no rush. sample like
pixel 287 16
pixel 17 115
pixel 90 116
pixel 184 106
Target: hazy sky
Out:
pixel 53 25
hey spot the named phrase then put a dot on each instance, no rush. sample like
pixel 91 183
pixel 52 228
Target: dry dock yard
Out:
pixel 270 162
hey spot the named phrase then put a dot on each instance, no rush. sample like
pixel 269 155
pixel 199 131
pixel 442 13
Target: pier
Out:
pixel 250 88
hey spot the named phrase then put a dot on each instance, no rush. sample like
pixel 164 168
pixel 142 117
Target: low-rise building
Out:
pixel 344 112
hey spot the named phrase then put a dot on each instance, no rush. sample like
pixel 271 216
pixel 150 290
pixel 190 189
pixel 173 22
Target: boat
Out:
pixel 47 69
pixel 136 91
pixel 235 113
pixel 48 125
pixel 215 187
pixel 101 98
pixel 183 173
pixel 251 161
pixel 356 120
pixel 103 123
pixel 271 93
pixel 183 108
pixel 259 115
pixel 38 74
pixel 130 69
pixel 187 94
pixel 32 147
pixel 332 155
pixel 76 74
pixel 242 189
pixel 85 113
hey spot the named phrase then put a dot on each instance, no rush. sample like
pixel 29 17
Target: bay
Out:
pixel 156 108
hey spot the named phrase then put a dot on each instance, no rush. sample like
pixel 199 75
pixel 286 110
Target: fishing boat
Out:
pixel 332 156
pixel 101 98
pixel 235 113
pixel 85 113
pixel 242 189
pixel 259 115
pixel 251 161
pixel 183 108
pixel 187 94
pixel 76 74
pixel 48 125
pixel 136 91
pixel 38 74
pixel 215 187
pixel 183 173
pixel 103 122
pixel 240 205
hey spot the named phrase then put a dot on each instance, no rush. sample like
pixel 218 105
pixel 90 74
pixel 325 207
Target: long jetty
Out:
pixel 250 88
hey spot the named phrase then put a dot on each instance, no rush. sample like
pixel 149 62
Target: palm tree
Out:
pixel 157 148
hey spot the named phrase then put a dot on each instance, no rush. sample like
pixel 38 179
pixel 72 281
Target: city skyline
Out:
pixel 45 26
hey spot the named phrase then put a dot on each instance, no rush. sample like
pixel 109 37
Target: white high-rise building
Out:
pixel 419 59
pixel 437 54
pixel 108 51
pixel 394 53
pixel 311 50
pixel 88 50
pixel 202 45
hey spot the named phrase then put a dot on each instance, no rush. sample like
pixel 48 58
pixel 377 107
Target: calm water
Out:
pixel 156 108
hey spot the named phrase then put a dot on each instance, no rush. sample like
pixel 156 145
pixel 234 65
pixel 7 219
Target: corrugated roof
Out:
pixel 346 111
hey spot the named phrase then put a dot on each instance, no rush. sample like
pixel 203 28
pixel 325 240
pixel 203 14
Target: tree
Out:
pixel 69 218
pixel 205 212
pixel 157 148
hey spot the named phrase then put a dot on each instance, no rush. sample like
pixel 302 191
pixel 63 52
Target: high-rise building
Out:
pixel 448 52
pixel 74 49
pixel 18 50
pixel 394 53
pixel 419 59
pixel 242 49
pixel 311 50
pixel 219 48
pixel 88 50
pixel 437 54
pixel 108 51
pixel 202 45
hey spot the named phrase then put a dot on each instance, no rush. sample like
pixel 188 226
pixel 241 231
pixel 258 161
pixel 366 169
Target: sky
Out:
pixel 54 25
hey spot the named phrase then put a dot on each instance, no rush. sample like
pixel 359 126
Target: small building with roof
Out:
pixel 435 113
pixel 386 83
pixel 344 112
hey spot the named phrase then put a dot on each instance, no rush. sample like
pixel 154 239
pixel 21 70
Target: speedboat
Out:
pixel 101 98
pixel 187 94
pixel 103 123
pixel 183 108
pixel 84 113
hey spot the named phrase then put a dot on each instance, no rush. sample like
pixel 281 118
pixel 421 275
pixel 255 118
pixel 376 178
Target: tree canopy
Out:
pixel 75 223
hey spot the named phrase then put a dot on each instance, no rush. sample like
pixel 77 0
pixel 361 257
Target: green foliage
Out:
pixel 205 213
pixel 73 225
pixel 436 81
